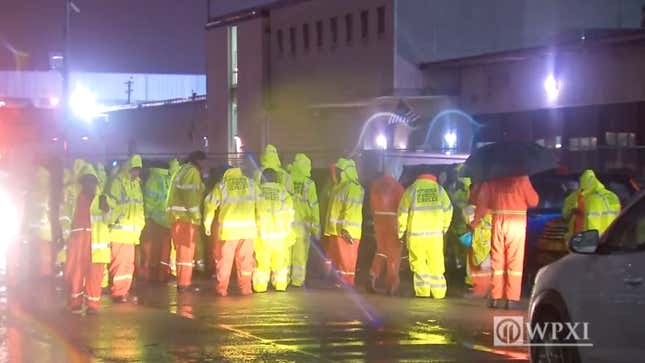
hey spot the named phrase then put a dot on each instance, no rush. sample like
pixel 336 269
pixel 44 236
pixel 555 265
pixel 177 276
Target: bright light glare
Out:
pixel 54 101
pixel 381 141
pixel 238 144
pixel 552 86
pixel 85 138
pixel 451 139
pixel 9 216
pixel 83 104
pixel 2 103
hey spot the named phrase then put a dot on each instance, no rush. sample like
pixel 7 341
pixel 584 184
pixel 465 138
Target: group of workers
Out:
pixel 265 225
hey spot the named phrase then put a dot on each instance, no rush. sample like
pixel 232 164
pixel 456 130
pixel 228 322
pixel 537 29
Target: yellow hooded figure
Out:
pixel 601 206
pixel 271 160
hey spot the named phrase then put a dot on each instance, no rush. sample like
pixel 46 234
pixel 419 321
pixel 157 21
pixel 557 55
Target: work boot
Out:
pixel 371 285
pixel 76 310
pixel 512 305
pixel 496 304
pixel 190 288
pixel 125 299
pixel 92 311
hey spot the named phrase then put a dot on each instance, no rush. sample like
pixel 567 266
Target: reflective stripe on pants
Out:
pixel 343 256
pixel 427 263
pixel 121 268
pixel 84 276
pixel 153 239
pixel 271 260
pixel 183 238
pixel 299 258
pixel 507 256
pixel 480 275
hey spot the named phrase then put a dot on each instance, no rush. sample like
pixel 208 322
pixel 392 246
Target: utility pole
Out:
pixel 129 90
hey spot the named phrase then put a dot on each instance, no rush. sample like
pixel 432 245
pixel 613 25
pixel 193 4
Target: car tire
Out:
pixel 543 353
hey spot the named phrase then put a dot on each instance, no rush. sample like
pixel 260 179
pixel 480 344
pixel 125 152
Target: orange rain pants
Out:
pixel 507 256
pixel 385 195
pixel 84 276
pixel 121 268
pixel 153 238
pixel 342 255
pixel 242 253
pixel 183 237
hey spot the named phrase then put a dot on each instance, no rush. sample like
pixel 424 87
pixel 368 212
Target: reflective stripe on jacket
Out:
pixel 233 202
pixel 425 210
pixel 186 196
pixel 274 215
pixel 155 196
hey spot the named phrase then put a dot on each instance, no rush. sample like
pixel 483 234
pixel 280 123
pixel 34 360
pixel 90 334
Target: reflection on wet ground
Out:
pixel 301 325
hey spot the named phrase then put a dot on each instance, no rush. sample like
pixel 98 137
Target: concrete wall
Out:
pixel 218 94
pixel 343 73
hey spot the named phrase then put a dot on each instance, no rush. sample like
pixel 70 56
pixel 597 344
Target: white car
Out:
pixel 601 283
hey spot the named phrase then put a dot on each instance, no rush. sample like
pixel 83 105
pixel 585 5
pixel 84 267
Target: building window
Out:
pixel 292 40
pixel 365 27
pixel 333 28
pixel 280 40
pixel 319 33
pixel 380 20
pixel 349 28
pixel 305 36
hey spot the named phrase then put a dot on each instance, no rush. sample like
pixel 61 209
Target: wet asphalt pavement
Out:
pixel 297 326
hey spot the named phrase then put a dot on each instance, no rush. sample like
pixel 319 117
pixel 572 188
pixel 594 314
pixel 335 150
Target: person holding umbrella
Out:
pixel 507 193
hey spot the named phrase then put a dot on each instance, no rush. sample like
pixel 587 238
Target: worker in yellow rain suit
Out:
pixel 601 206
pixel 233 201
pixel 125 232
pixel 271 159
pixel 479 264
pixel 185 215
pixel 344 221
pixel 425 213
pixel 571 213
pixel 307 217
pixel 274 216
pixel 71 188
pixel 38 222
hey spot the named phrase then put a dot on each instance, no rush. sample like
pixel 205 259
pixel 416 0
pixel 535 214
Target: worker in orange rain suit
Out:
pixel 274 216
pixel 38 222
pixel 507 199
pixel 598 206
pixel 344 222
pixel 385 196
pixel 425 213
pixel 185 216
pixel 307 218
pixel 88 246
pixel 233 202
pixel 479 268
pixel 125 231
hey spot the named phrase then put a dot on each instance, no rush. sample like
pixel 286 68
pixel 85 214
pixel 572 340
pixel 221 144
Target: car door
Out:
pixel 617 312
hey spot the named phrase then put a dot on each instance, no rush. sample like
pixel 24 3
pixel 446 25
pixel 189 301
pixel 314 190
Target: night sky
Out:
pixel 147 36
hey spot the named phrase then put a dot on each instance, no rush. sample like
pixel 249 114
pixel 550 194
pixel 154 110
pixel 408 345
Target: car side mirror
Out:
pixel 585 242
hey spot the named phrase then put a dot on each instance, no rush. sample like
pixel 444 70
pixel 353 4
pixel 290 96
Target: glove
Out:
pixel 347 237
pixel 207 230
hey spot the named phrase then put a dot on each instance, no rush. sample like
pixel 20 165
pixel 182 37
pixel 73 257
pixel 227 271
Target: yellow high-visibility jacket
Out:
pixel 129 215
pixel 345 211
pixel 601 205
pixel 482 234
pixel 233 201
pixel 99 220
pixel 305 199
pixel 186 196
pixel 274 216
pixel 70 194
pixel 155 196
pixel 37 211
pixel 424 211
pixel 570 203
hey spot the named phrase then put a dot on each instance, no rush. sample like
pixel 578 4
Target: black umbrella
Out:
pixel 505 159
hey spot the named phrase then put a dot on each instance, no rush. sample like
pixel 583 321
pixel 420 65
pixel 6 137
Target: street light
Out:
pixel 83 104
pixel 381 141
pixel 450 138
pixel 552 86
